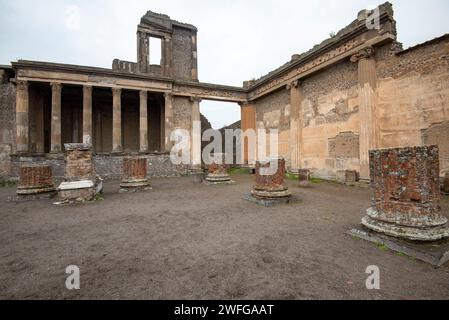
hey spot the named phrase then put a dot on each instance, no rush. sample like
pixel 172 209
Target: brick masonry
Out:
pixel 107 166
pixel 35 179
pixel 405 181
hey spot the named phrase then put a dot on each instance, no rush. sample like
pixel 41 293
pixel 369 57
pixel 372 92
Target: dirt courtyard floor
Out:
pixel 190 241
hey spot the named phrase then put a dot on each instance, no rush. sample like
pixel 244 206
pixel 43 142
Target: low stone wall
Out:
pixel 107 166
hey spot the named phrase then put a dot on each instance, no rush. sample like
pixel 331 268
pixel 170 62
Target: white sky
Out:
pixel 237 39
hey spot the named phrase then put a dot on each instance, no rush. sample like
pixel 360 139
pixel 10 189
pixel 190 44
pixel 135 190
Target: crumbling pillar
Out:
pixel 82 183
pixel 117 120
pixel 134 175
pixel 169 126
pixel 269 188
pixel 248 122
pixel 56 144
pixel 304 178
pixel 217 171
pixel 35 182
pixel 367 107
pixel 87 114
pixel 296 124
pixel 143 52
pixel 22 117
pixel 143 128
pixel 195 139
pixel 406 194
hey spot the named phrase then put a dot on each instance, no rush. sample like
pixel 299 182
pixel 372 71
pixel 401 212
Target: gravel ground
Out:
pixel 189 241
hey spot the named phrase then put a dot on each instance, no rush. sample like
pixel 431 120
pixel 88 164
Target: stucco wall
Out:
pixel 413 93
pixel 273 112
pixel 330 108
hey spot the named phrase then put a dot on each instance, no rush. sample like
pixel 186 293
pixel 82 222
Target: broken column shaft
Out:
pixel 406 194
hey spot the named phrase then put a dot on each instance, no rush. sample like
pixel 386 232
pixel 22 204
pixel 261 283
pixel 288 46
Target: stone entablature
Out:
pixel 348 42
pixel 35 71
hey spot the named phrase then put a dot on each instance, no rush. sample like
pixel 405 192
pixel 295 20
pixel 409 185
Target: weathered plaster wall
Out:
pixel 273 112
pixel 182 113
pixel 330 108
pixel 7 126
pixel 413 93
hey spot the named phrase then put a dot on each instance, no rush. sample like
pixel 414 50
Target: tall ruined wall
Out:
pixel 182 53
pixel 413 93
pixel 7 126
pixel 273 112
pixel 331 121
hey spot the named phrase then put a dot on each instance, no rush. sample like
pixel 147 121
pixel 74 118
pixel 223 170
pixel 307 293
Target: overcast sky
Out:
pixel 237 39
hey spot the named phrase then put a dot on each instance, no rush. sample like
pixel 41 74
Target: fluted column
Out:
pixel 22 121
pixel 117 120
pixel 296 125
pixel 143 128
pixel 369 128
pixel 169 126
pixel 195 146
pixel 56 143
pixel 87 114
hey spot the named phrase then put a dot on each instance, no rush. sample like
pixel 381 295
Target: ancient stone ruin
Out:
pixel 135 175
pixel 304 178
pixel 82 183
pixel 406 194
pixel 269 189
pixel 217 171
pixel 35 182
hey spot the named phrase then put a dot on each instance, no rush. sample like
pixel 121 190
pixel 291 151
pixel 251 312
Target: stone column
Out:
pixel 167 55
pixel 248 122
pixel 406 194
pixel 143 52
pixel 117 120
pixel 35 180
pixel 134 175
pixel 369 132
pixel 269 188
pixel 87 114
pixel 22 121
pixel 56 146
pixel 194 70
pixel 195 137
pixel 296 125
pixel 143 121
pixel 169 126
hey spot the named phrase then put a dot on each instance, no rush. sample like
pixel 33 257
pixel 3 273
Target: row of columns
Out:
pixel 22 118
pixel 369 127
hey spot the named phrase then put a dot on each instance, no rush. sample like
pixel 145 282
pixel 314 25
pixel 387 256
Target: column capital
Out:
pixel 365 53
pixel 116 91
pixel 87 88
pixel 56 86
pixel 143 93
pixel 195 99
pixel 22 85
pixel 293 84
pixel 244 104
